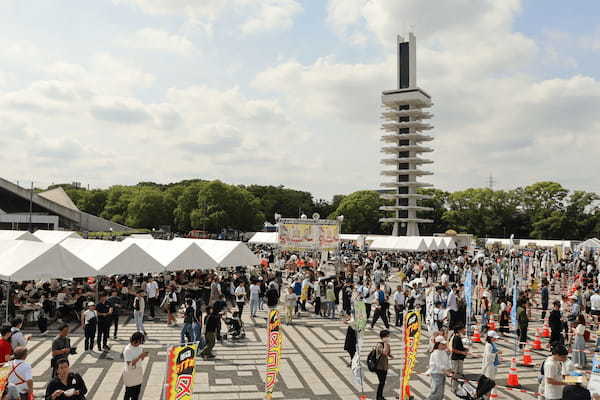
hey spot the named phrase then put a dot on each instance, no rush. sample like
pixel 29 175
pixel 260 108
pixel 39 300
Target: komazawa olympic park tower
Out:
pixel 404 125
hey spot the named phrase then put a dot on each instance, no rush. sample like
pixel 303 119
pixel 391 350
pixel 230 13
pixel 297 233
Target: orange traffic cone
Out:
pixel 492 324
pixel 476 338
pixel 537 342
pixel 513 378
pixel 527 360
pixel 546 331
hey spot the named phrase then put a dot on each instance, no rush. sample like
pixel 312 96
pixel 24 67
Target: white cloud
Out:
pixel 156 39
pixel 272 15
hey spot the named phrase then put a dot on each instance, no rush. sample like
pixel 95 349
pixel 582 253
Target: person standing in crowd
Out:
pixel 452 307
pixel 595 309
pixel 17 339
pixel 240 297
pixel 211 321
pixel 556 324
pixel 523 322
pixel 579 357
pixel 5 346
pixel 133 372
pixel 152 295
pixel 553 377
pixel 458 354
pixel 104 311
pixel 491 356
pixel 439 367
pixel 380 308
pixel 61 347
pixel 272 296
pixel 115 303
pixel 254 298
pixel 21 374
pixel 189 317
pixel 384 354
pixel 170 303
pixel 215 290
pixel 66 385
pixel 89 323
pixel 545 295
pixel 138 312
pixel 290 304
pixel 399 305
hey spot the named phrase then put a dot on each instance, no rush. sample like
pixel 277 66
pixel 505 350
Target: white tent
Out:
pixel 175 255
pixel 498 241
pixel 226 253
pixel 25 260
pixel 590 244
pixel 18 235
pixel 430 242
pixel 450 243
pixel 350 237
pixel 440 243
pixel 55 237
pixel 543 243
pixel 113 258
pixel 264 238
pixel 399 243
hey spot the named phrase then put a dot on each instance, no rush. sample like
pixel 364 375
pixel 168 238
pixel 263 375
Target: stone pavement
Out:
pixel 314 364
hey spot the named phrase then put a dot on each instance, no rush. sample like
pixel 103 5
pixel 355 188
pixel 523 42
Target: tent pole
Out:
pixel 7 298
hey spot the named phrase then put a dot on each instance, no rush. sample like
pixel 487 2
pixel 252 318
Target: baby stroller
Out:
pixel 235 327
pixel 467 391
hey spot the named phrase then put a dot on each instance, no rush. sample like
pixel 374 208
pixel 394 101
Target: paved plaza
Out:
pixel 314 364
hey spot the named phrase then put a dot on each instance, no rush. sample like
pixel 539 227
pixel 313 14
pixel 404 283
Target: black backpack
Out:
pixel 373 359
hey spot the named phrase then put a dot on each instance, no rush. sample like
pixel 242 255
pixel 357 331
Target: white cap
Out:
pixel 440 339
pixel 493 334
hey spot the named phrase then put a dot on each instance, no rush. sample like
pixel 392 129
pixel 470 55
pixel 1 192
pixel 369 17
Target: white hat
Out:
pixel 440 339
pixel 493 334
pixel 91 303
pixel 573 297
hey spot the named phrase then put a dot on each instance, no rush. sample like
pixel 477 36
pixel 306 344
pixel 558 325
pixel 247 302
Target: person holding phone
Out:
pixel 66 385
pixel 133 372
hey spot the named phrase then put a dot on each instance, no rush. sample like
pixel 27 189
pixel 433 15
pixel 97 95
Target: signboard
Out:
pixel 181 365
pixel 469 296
pixel 360 315
pixel 306 234
pixel 412 335
pixel 274 341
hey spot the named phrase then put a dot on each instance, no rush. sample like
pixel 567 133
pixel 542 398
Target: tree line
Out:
pixel 543 210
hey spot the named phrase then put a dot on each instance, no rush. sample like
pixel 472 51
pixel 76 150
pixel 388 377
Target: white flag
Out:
pixel 356 364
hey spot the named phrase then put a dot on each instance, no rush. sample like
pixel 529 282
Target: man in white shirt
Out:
pixel 21 374
pixel 595 304
pixel 138 312
pixel 553 378
pixel 254 298
pixel 399 305
pixel 152 295
pixel 240 297
pixel 452 307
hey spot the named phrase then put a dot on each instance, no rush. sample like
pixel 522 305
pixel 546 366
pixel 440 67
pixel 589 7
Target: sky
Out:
pixel 288 92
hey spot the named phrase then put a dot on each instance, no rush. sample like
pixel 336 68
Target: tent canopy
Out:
pixel 590 244
pixel 399 243
pixel 264 238
pixel 113 258
pixel 440 243
pixel 55 237
pixel 226 253
pixel 350 237
pixel 18 235
pixel 25 260
pixel 430 242
pixel 544 243
pixel 175 255
pixel 449 242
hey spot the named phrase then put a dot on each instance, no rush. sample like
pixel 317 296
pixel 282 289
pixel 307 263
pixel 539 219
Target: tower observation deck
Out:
pixel 405 126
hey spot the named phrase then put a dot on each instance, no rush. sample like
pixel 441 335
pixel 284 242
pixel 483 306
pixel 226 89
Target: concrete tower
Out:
pixel 404 126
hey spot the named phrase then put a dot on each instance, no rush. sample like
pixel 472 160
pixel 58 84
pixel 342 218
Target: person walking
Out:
pixel 380 309
pixel 579 357
pixel 152 295
pixel 491 356
pixel 523 322
pixel 290 304
pixel 89 323
pixel 272 296
pixel 17 339
pixel 5 346
pixel 384 354
pixel 545 295
pixel 399 305
pixel 458 354
pixel 20 373
pixel 115 302
pixel 556 323
pixel 61 347
pixel 66 385
pixel 439 366
pixel 133 372
pixel 139 304
pixel 254 298
pixel 211 321
pixel 189 316
pixel 170 303
pixel 553 378
pixel 104 311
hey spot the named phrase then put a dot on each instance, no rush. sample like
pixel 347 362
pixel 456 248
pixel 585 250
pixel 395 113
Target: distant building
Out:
pixel 403 136
pixel 52 209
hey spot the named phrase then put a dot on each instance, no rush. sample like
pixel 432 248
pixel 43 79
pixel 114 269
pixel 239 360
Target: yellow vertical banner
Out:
pixel 274 343
pixel 412 335
pixel 181 369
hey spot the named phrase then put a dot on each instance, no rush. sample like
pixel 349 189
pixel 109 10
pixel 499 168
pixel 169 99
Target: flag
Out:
pixel 357 374
pixel 274 342
pixel 412 334
pixel 181 366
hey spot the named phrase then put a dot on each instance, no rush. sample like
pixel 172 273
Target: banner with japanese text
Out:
pixel 274 343
pixel 181 368
pixel 412 335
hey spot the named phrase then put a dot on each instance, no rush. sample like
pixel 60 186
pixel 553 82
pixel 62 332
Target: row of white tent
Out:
pixel 377 242
pixel 524 243
pixel 66 255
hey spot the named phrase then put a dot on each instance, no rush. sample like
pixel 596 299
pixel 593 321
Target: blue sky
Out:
pixel 288 91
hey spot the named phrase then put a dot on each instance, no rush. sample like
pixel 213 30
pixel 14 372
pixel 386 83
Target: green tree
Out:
pixel 187 201
pixel 148 209
pixel 117 203
pixel 92 201
pixel 361 212
pixel 278 199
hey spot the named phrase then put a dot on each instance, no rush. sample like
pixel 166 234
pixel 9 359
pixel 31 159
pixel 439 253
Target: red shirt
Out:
pixel 5 350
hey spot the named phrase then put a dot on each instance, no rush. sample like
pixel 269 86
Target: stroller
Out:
pixel 235 327
pixel 467 391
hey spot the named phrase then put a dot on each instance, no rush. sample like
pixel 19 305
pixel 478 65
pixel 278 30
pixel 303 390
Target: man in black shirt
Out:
pixel 115 302
pixel 61 347
pixel 104 311
pixel 459 352
pixel 212 321
pixel 556 324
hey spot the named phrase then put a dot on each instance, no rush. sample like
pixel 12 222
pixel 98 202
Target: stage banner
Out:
pixel 412 335
pixel 296 236
pixel 307 234
pixel 181 366
pixel 329 237
pixel 274 343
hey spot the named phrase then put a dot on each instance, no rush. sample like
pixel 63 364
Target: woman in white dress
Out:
pixel 491 356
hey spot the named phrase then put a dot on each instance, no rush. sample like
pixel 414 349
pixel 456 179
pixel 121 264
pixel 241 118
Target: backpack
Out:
pixel 373 359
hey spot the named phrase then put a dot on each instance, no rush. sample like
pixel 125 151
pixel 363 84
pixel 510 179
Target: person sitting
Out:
pixel 66 385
